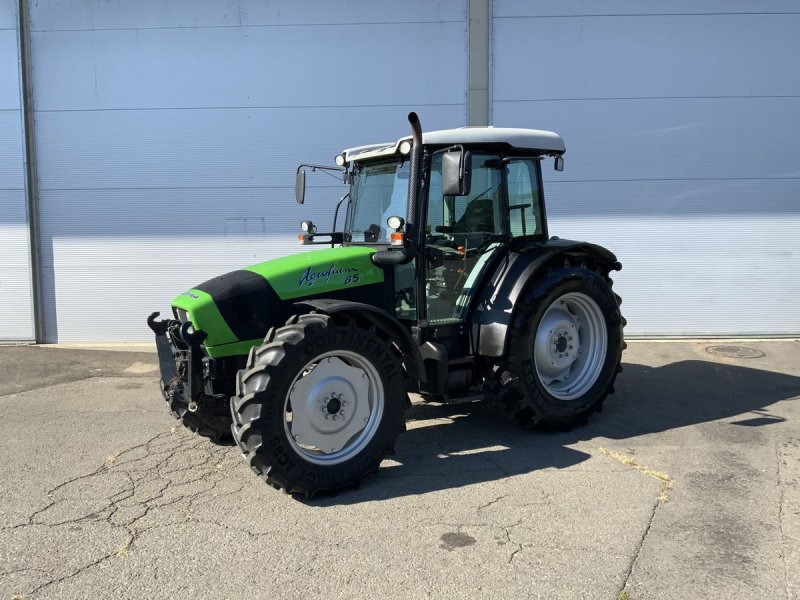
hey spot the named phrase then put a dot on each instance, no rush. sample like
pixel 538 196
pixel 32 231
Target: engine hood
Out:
pixel 235 310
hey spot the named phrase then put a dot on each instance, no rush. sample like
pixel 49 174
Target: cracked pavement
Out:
pixel 687 485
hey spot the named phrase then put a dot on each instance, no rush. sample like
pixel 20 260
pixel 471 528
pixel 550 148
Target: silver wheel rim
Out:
pixel 570 346
pixel 333 407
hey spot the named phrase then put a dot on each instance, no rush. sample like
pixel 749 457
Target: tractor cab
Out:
pixel 478 189
pixel 439 229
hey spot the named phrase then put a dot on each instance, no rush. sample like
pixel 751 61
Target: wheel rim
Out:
pixel 333 407
pixel 570 346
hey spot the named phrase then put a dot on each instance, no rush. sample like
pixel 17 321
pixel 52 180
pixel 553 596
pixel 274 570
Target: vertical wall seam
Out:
pixel 29 158
pixel 490 63
pixel 468 100
pixel 478 61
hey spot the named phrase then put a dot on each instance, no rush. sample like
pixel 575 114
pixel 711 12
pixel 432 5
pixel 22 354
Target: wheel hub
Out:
pixel 557 343
pixel 330 405
pixel 334 406
pixel 570 345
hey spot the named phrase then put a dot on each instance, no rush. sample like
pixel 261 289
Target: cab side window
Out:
pixel 523 198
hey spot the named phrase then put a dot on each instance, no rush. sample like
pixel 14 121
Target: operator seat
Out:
pixel 477 218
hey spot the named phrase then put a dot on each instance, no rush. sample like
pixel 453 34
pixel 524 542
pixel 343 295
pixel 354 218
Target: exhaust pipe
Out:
pixel 409 249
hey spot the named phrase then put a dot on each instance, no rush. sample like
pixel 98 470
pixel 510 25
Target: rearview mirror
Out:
pixel 300 186
pixel 558 164
pixel 456 173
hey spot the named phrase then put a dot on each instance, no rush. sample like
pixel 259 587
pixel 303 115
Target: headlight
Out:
pixel 405 147
pixel 340 160
pixel 395 222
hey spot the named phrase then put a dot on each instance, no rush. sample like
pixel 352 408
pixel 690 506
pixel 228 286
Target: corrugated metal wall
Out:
pixel 682 125
pixel 168 134
pixel 16 319
pixel 167 137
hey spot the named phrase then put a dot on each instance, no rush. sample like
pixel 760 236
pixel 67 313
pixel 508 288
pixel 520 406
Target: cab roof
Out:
pixel 533 140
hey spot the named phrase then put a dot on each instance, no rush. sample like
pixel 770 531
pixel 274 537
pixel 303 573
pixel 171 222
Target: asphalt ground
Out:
pixel 686 486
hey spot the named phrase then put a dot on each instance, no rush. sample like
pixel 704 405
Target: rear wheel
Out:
pixel 564 351
pixel 319 405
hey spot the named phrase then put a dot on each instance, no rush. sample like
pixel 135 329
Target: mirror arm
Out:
pixel 320 167
pixel 337 237
pixel 336 213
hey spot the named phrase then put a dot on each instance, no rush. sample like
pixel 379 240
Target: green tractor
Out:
pixel 443 281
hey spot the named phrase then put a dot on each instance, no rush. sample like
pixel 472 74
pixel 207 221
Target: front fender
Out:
pixel 412 359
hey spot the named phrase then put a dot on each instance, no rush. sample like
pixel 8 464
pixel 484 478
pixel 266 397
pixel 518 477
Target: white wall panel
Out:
pixel 682 123
pixel 584 8
pixel 246 66
pixel 12 168
pixel 168 139
pixel 147 14
pixel 9 68
pixel 695 254
pixel 646 56
pixel 210 148
pixel 668 138
pixel 16 319
pixel 8 14
pixel 705 275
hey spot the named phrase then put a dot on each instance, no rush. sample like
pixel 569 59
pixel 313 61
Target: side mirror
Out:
pixel 300 186
pixel 456 173
pixel 558 164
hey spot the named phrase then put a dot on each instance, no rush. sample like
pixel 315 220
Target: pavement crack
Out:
pixel 781 499
pixel 495 501
pixel 639 547
pixel 169 474
pixel 507 532
pixel 663 496
pixel 68 576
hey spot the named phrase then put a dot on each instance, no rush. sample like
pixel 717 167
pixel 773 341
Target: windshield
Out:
pixel 379 191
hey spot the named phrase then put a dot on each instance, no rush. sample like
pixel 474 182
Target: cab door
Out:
pixel 463 233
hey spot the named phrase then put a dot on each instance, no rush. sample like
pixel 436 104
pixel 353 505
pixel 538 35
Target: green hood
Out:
pixel 319 271
pixel 236 309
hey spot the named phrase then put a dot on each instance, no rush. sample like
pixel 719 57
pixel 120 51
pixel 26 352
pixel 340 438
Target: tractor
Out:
pixel 443 281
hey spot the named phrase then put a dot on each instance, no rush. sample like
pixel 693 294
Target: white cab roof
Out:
pixel 541 142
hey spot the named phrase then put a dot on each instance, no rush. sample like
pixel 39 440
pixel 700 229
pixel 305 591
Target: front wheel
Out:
pixel 564 351
pixel 213 420
pixel 319 405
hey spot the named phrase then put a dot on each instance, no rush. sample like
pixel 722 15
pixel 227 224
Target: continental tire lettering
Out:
pixel 307 476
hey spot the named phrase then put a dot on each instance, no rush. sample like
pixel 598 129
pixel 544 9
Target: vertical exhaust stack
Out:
pixel 409 250
pixel 413 177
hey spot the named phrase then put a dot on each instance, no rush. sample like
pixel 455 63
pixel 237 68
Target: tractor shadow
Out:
pixel 451 446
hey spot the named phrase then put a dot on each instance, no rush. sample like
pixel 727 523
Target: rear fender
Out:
pixel 498 302
pixel 412 359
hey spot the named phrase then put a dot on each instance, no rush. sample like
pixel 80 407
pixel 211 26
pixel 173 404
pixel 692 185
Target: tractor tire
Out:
pixel 320 404
pixel 212 422
pixel 565 350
